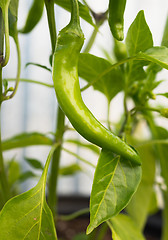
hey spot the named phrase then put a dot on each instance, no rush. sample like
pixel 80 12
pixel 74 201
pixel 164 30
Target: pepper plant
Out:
pixel 126 172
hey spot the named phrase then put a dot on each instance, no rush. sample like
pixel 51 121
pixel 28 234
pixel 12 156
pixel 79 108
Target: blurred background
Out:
pixel 34 107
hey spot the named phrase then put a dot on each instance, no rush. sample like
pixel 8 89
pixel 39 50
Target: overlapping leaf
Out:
pixel 91 68
pixel 28 216
pixel 124 228
pixel 135 208
pixel 115 182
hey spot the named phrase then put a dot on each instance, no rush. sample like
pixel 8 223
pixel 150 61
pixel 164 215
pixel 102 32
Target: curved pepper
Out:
pixel 67 88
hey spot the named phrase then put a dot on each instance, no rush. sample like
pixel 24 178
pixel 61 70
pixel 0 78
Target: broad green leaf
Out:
pixel 25 140
pixel 165 35
pixel 34 163
pixel 158 55
pixel 69 170
pixel 115 182
pixel 83 10
pixel 89 146
pixel 124 228
pixel 27 216
pixel 34 15
pixel 91 67
pixel 137 210
pixel 139 38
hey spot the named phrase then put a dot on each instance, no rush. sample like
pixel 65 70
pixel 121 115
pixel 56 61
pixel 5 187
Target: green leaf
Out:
pixel 38 65
pixel 69 170
pixel 25 140
pixel 124 228
pixel 139 38
pixel 91 67
pixel 158 55
pixel 83 10
pixel 115 182
pixel 28 216
pixel 26 175
pixel 137 210
pixel 165 35
pixel 34 15
pixel 13 172
pixel 13 7
pixel 34 163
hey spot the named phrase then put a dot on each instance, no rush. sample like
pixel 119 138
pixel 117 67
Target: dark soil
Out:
pixel 67 230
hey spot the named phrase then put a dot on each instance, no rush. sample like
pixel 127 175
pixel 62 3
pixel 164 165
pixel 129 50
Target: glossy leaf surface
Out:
pixel 124 228
pixel 115 182
pixel 91 68
pixel 27 216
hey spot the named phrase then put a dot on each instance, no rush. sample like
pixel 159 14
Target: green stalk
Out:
pixel 51 22
pixel 91 41
pixel 3 177
pixel 53 178
pixel 1 37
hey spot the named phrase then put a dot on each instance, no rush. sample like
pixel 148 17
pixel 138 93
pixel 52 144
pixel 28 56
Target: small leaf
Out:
pixel 124 228
pixel 13 172
pixel 158 55
pixel 34 163
pixel 115 182
pixel 34 15
pixel 165 35
pixel 91 67
pixel 38 65
pixel 83 10
pixel 13 7
pixel 27 216
pixel 25 140
pixel 69 170
pixel 26 175
pixel 139 38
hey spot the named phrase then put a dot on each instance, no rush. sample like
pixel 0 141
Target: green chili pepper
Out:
pixel 34 16
pixel 116 18
pixel 66 83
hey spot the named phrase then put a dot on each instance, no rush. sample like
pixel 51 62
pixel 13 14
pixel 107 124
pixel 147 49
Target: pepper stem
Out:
pixel 75 13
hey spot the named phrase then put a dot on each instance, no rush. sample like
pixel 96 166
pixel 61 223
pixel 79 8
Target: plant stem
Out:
pixel 53 178
pixel 1 37
pixel 3 177
pixel 91 41
pixel 60 126
pixel 51 22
